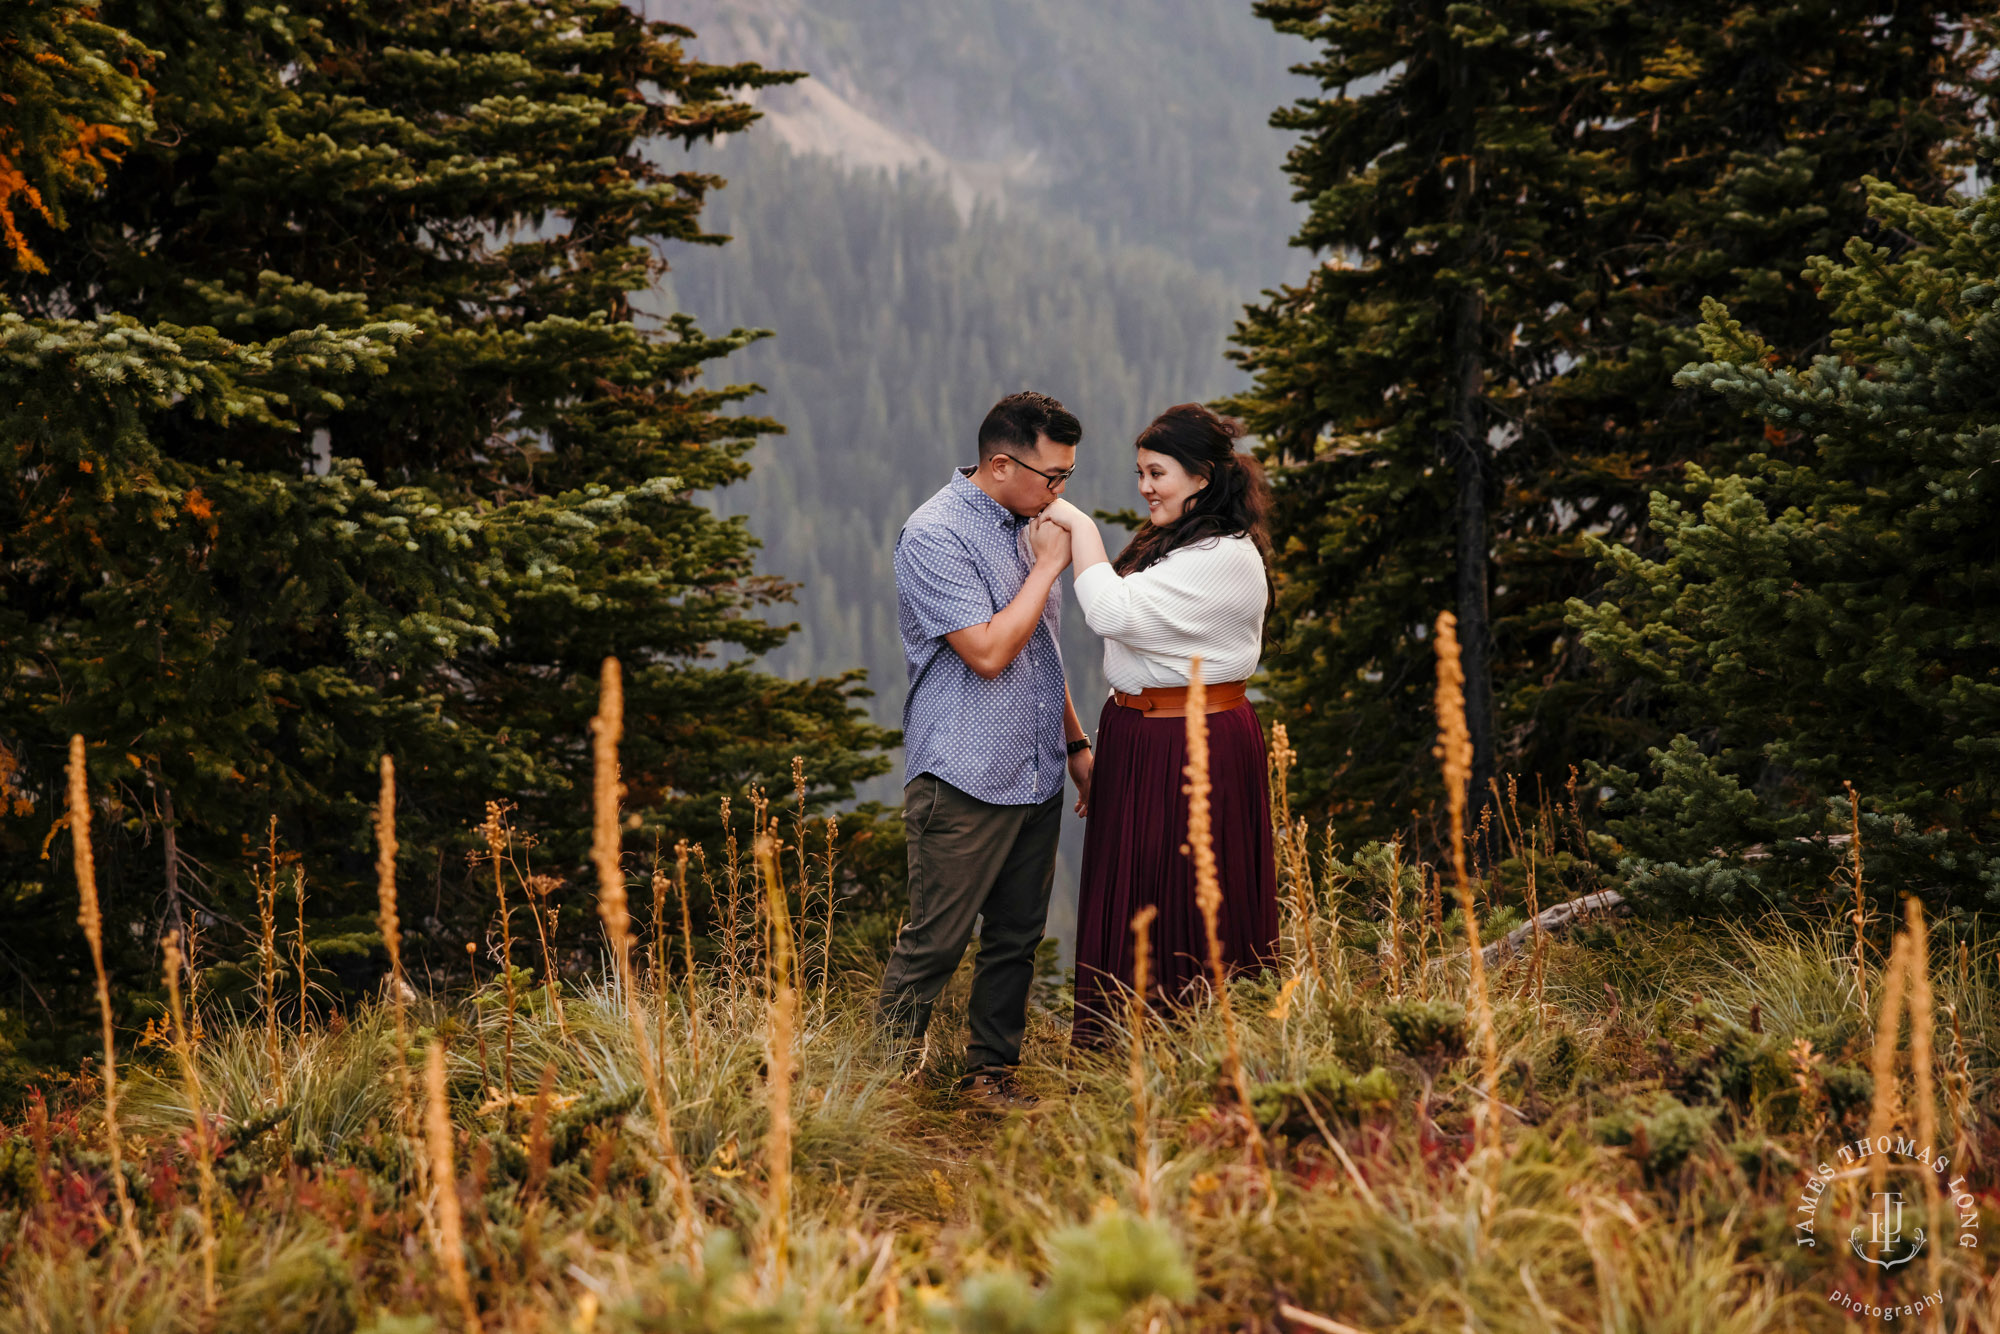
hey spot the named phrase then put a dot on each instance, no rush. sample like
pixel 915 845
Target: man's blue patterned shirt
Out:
pixel 960 559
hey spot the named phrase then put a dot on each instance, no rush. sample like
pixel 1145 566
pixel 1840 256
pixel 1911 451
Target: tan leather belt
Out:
pixel 1171 701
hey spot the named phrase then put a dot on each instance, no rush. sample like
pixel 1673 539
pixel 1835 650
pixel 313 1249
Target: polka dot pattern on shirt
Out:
pixel 960 559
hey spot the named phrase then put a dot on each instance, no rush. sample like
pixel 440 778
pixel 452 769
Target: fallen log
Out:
pixel 1552 919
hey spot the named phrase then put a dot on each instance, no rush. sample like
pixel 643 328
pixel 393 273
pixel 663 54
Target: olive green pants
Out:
pixel 971 862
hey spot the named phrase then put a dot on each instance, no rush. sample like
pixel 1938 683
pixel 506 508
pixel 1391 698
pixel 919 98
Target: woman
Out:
pixel 1189 584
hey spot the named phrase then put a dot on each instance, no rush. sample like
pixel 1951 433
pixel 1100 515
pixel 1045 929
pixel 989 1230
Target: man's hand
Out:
pixel 1086 543
pixel 1081 766
pixel 1049 541
pixel 991 648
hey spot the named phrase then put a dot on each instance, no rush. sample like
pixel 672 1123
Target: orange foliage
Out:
pixel 83 158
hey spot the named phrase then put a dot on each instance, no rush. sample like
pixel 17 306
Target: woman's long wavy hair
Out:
pixel 1235 503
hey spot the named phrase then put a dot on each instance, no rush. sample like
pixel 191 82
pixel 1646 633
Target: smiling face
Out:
pixel 1166 487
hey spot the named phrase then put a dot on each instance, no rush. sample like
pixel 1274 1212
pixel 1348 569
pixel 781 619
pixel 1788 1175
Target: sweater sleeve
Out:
pixel 1164 608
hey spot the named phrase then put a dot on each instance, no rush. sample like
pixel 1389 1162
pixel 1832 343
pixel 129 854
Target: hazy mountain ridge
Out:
pixel 1145 119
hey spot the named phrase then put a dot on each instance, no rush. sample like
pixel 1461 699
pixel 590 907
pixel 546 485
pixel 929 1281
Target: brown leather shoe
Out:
pixel 994 1091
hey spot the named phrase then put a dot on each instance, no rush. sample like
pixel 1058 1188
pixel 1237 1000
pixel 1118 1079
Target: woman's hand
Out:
pixel 1088 543
pixel 1062 512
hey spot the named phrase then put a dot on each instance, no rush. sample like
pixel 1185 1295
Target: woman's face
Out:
pixel 1166 486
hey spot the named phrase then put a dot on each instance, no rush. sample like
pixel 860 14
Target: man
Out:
pixel 988 731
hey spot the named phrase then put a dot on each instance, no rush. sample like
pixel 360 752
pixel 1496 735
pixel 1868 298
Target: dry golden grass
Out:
pixel 204 1146
pixel 781 1032
pixel 450 1243
pixel 705 1153
pixel 1136 1020
pixel 494 832
pixel 1455 750
pixel 91 918
pixel 1208 896
pixel 607 729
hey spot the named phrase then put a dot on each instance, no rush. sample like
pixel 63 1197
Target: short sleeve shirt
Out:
pixel 960 559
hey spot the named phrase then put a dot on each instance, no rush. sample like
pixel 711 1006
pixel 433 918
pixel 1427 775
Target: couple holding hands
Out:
pixel 989 731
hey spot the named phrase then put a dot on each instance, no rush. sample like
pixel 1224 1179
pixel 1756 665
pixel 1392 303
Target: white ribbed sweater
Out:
pixel 1205 600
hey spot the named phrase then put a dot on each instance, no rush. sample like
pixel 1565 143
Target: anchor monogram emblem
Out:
pixel 1885 1239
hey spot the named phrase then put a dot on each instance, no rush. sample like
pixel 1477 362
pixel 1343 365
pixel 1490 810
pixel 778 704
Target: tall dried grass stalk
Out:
pixel 204 1150
pixel 1860 900
pixel 450 1239
pixel 826 934
pixel 687 957
pixel 1292 842
pixel 495 830
pixel 1923 1017
pixel 538 1133
pixel 1432 908
pixel 1962 1110
pixel 1883 1110
pixel 1522 842
pixel 781 1029
pixel 1455 749
pixel 1142 1146
pixel 1396 917
pixel 761 821
pixel 660 885
pixel 607 729
pixel 299 938
pixel 391 927
pixel 732 876
pixel 539 888
pixel 1335 889
pixel 267 960
pixel 1208 895
pixel 799 845
pixel 91 918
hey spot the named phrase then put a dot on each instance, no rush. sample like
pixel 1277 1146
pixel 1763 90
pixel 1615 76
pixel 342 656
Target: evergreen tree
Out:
pixel 70 110
pixel 1620 162
pixel 1831 612
pixel 402 467
pixel 1447 205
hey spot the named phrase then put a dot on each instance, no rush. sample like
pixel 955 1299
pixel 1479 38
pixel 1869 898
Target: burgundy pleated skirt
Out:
pixel 1133 856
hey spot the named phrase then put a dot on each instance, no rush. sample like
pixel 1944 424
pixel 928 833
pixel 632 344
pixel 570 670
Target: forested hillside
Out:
pixel 899 321
pixel 1146 119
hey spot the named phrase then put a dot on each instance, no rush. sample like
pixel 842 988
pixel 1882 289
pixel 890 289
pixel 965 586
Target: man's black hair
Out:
pixel 1015 422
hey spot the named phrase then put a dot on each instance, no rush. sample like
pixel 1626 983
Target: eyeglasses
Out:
pixel 1054 479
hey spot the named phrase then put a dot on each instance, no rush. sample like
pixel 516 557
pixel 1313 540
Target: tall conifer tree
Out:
pixel 1621 163
pixel 438 465
pixel 1829 612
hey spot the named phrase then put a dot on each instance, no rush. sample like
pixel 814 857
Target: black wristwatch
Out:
pixel 1081 743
